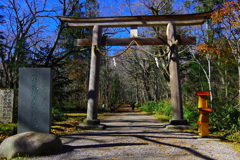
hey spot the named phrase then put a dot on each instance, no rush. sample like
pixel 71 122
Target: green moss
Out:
pixel 8 128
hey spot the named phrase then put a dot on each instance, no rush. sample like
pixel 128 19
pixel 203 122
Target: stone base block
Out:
pixel 92 127
pixel 179 122
pixel 91 121
pixel 92 124
pixel 180 127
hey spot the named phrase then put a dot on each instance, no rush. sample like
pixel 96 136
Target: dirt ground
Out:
pixel 138 136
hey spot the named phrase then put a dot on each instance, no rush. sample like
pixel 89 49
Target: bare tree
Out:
pixel 33 35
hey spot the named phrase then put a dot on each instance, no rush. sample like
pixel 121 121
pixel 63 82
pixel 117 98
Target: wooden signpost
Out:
pixel 171 39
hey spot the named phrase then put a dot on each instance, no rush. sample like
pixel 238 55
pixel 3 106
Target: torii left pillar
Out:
pixel 92 121
pixel 175 85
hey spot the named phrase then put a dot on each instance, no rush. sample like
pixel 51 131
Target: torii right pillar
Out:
pixel 175 85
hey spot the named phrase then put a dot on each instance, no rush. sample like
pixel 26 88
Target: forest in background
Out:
pixel 32 36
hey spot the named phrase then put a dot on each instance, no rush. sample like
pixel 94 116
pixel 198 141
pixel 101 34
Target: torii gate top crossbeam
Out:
pixel 141 21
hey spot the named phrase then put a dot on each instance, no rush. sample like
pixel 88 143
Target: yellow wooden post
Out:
pixel 202 98
pixel 203 120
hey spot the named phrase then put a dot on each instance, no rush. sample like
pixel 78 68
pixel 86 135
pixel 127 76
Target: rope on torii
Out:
pixel 133 42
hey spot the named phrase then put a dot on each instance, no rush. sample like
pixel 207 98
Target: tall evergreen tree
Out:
pixel 75 66
pixel 202 5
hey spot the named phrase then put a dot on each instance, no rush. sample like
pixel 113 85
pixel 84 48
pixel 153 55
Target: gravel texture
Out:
pixel 138 136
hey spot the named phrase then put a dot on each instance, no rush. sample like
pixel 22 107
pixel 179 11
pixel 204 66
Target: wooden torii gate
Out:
pixel 172 40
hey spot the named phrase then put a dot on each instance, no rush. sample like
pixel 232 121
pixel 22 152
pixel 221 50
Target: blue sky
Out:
pixel 119 8
pixel 107 8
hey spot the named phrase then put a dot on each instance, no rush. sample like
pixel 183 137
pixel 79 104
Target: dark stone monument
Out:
pixel 6 105
pixel 34 103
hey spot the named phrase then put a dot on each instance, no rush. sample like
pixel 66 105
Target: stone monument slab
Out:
pixel 34 103
pixel 6 105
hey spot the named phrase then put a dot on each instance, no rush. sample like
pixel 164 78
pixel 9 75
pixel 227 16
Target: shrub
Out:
pixel 74 106
pixel 58 115
pixel 148 106
pixel 160 108
pixel 8 129
pixel 225 118
pixel 69 105
pixel 190 113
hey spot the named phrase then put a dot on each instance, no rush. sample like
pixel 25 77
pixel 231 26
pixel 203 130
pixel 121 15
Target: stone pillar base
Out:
pixel 91 121
pixel 180 127
pixel 179 122
pixel 92 124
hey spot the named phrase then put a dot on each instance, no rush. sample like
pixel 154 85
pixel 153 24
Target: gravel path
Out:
pixel 137 136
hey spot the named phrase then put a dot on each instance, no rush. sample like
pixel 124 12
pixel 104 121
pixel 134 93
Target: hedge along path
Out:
pixel 139 136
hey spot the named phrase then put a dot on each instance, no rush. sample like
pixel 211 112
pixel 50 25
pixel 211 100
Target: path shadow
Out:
pixel 139 135
pixel 63 125
pixel 130 114
pixel 125 111
pixel 190 150
pixel 130 121
pixel 119 133
pixel 147 136
pixel 136 126
pixel 69 148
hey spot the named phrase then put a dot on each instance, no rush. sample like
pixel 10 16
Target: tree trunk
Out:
pixel 209 81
